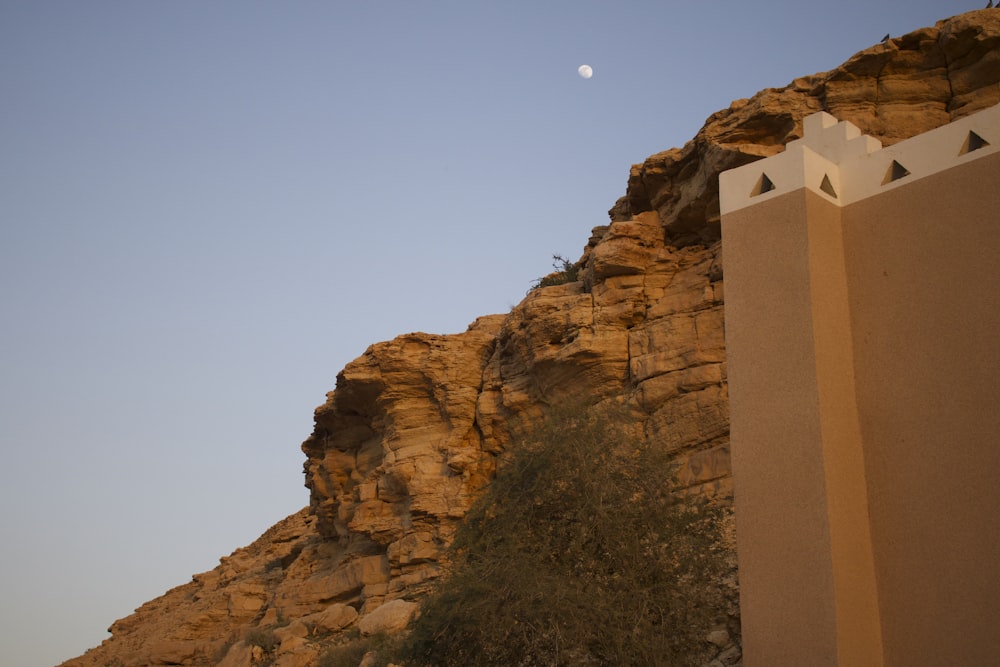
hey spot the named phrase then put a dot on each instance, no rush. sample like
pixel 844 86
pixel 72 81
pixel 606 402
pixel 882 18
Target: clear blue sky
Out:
pixel 208 208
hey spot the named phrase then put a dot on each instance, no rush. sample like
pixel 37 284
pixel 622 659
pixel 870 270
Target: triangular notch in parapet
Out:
pixel 764 184
pixel 973 142
pixel 895 172
pixel 827 187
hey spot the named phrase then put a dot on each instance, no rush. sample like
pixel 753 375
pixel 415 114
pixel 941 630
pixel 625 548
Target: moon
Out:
pixel 586 71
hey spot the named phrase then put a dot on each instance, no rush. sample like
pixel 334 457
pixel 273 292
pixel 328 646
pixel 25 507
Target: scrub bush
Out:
pixel 565 272
pixel 580 552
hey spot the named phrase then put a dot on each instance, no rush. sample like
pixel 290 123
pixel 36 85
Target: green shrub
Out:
pixel 351 652
pixel 262 637
pixel 344 655
pixel 579 553
pixel 565 272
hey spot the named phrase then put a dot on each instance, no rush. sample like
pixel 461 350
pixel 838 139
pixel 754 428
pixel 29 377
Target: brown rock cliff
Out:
pixel 413 429
pixel 891 91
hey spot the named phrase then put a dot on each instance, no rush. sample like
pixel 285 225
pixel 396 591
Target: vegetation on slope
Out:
pixel 565 272
pixel 579 553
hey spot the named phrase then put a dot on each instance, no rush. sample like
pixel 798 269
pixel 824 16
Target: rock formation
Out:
pixel 414 427
pixel 891 91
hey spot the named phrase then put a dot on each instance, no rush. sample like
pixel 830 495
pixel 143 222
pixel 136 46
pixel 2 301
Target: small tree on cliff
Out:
pixel 578 554
pixel 565 272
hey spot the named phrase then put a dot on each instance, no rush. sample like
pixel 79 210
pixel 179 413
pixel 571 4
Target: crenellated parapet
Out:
pixel 837 162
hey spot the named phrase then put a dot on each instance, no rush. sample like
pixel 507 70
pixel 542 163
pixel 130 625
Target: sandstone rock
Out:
pixel 719 637
pixel 239 655
pixel 911 85
pixel 303 657
pixel 390 451
pixel 331 619
pixel 731 656
pixel 295 629
pixel 292 644
pixel 246 599
pixel 627 247
pixel 171 652
pixel 390 618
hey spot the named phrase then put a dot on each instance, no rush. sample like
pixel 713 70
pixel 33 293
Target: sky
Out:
pixel 208 208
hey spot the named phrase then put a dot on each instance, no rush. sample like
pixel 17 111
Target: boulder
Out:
pixel 331 619
pixel 390 618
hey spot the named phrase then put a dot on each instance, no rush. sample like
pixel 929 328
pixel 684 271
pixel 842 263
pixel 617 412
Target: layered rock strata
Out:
pixel 892 91
pixel 415 426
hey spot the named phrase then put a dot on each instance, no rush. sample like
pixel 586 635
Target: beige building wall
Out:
pixel 862 311
pixel 924 277
pixel 807 579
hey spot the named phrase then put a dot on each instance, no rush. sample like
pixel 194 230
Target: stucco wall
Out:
pixel 923 262
pixel 806 574
pixel 782 535
pixel 864 375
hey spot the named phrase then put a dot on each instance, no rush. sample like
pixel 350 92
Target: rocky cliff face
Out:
pixel 890 91
pixel 414 427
